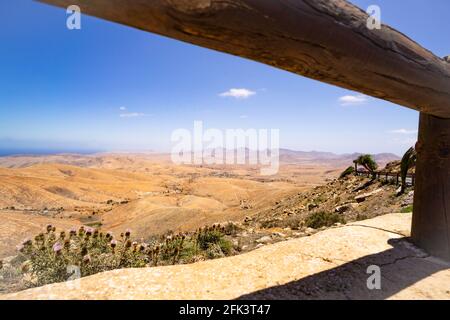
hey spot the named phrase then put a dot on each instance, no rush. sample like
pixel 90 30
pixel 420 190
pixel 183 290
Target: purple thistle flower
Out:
pixel 57 247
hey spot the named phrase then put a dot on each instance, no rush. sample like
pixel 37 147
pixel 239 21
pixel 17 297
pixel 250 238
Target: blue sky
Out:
pixel 111 87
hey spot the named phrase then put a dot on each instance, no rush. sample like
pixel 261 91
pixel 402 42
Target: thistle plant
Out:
pixel 49 255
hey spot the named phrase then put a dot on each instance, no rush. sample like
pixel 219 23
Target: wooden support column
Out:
pixel 431 217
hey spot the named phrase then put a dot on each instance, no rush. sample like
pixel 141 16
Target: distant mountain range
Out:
pixel 294 157
pixel 98 159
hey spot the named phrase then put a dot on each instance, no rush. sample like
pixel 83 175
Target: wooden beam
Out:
pixel 431 217
pixel 326 40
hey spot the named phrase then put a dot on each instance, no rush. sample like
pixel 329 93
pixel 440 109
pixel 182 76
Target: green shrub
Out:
pixel 360 217
pixel 209 236
pixel 323 219
pixel 407 209
pixel 231 229
pixel 226 246
pixel 214 251
pixel 350 170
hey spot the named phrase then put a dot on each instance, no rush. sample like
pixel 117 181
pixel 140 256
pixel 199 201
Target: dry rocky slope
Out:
pixel 331 264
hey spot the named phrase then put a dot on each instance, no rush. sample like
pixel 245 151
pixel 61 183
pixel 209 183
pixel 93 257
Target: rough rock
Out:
pixel 364 196
pixel 265 239
pixel 278 234
pixel 408 200
pixel 341 209
pixel 345 207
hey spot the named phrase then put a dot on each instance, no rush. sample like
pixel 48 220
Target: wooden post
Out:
pixel 431 217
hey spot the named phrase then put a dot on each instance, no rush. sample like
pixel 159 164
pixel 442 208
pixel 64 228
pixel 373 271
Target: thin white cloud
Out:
pixel 353 100
pixel 133 115
pixel 122 108
pixel 243 116
pixel 403 131
pixel 238 93
pixel 404 141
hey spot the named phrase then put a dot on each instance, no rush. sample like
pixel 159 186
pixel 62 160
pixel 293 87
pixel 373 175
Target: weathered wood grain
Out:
pixel 431 218
pixel 326 40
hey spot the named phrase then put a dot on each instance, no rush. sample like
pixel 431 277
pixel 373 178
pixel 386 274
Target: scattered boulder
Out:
pixel 342 209
pixel 278 234
pixel 345 207
pixel 364 196
pixel 408 199
pixel 265 239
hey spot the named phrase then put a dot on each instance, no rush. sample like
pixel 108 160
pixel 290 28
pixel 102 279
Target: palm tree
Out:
pixel 347 172
pixel 408 161
pixel 367 161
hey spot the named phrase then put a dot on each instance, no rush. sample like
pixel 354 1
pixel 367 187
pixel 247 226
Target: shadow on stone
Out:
pixel 401 267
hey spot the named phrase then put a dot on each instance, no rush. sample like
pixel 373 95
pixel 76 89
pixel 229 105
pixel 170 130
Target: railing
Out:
pixel 388 177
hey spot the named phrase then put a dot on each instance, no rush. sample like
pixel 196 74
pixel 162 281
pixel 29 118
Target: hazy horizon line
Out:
pixel 6 152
